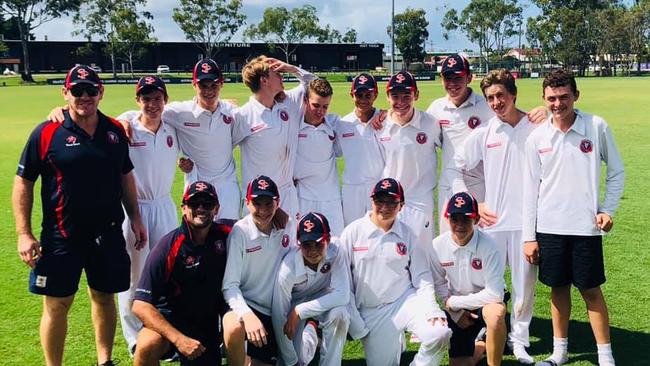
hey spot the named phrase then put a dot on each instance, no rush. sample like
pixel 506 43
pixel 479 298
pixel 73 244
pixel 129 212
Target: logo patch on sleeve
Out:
pixel 41 281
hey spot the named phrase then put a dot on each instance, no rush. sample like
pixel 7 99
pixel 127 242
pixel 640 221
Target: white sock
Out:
pixel 560 350
pixel 605 356
pixel 521 354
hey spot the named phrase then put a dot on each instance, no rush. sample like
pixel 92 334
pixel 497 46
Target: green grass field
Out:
pixel 622 102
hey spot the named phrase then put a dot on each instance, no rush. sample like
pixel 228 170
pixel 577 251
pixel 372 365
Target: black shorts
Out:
pixel 104 258
pixel 570 259
pixel 267 353
pixel 462 340
pixel 209 336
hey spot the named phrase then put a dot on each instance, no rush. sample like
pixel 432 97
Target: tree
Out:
pixel 208 23
pixel 30 14
pixel 410 34
pixel 3 48
pixel 328 35
pixel 488 23
pixel 133 33
pixel 105 19
pixel 285 29
pixel 9 29
pixel 350 36
pixel 638 21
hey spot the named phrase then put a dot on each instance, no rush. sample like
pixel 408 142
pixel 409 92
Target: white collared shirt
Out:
pixel 310 292
pixel 252 265
pixel 501 148
pixel 472 275
pixel 385 265
pixel 456 123
pixel 270 135
pixel 411 159
pixel 359 145
pixel 153 156
pixel 562 177
pixel 205 138
pixel 316 176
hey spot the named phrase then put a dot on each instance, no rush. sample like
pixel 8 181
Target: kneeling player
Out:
pixel 393 289
pixel 178 298
pixel 468 273
pixel 313 282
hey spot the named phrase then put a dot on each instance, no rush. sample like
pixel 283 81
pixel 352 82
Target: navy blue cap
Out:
pixel 148 83
pixel 206 69
pixel 202 188
pixel 389 186
pixel 262 186
pixel 455 64
pixel 313 227
pixel 462 203
pixel 82 74
pixel 363 81
pixel 402 80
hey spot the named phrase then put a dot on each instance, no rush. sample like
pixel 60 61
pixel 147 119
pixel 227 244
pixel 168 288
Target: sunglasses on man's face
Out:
pixel 79 90
pixel 206 204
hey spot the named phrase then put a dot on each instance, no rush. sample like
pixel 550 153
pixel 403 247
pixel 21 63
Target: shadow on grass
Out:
pixel 629 346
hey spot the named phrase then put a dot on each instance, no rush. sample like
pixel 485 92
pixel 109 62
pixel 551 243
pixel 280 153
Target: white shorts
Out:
pixel 331 209
pixel 356 201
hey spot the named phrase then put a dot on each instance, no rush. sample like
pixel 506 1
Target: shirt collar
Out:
pixel 197 110
pixel 414 122
pixel 579 125
pixel 472 100
pixel 71 125
pixel 258 107
pixel 472 246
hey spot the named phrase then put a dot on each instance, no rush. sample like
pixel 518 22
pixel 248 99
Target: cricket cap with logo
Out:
pixel 455 65
pixel 149 83
pixel 462 203
pixel 402 80
pixel 313 227
pixel 82 74
pixel 200 188
pixel 206 69
pixel 363 81
pixel 262 186
pixel 390 187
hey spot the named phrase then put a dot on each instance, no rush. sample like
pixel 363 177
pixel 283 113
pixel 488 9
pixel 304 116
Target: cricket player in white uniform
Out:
pixel 315 175
pixel 500 148
pixel 255 249
pixel 563 218
pixel 468 271
pixel 270 121
pixel 313 283
pixel 153 149
pixel 409 138
pixel 393 288
pixel 357 140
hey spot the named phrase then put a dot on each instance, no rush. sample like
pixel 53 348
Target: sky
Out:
pixel 369 17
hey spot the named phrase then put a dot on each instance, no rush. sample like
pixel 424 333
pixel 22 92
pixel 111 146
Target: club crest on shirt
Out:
pixel 284 115
pixel 219 246
pixel 421 138
pixel 473 122
pixel 285 240
pixel 170 141
pixel 401 248
pixel 191 262
pixel 586 146
pixel 112 137
pixel 325 268
pixel 71 141
pixel 477 264
pixel 227 120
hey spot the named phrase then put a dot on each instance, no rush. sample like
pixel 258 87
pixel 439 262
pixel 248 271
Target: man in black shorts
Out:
pixel 86 177
pixel 179 298
pixel 564 219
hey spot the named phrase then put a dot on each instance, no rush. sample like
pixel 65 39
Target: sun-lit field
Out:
pixel 623 102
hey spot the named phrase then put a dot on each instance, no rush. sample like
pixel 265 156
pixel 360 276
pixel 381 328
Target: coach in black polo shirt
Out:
pixel 85 179
pixel 179 298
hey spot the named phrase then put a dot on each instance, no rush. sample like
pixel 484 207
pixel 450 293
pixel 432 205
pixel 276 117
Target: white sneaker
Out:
pixel 309 342
pixel 520 353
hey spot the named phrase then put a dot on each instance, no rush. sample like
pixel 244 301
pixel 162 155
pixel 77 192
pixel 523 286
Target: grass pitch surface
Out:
pixel 622 102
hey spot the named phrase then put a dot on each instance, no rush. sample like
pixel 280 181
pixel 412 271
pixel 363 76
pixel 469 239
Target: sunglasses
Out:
pixel 206 204
pixel 79 90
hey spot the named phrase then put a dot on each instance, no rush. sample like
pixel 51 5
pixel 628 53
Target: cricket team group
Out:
pixel 286 269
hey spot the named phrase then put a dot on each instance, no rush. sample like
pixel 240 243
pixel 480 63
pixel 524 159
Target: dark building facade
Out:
pixel 59 56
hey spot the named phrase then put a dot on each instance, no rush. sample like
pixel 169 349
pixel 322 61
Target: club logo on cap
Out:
pixel 400 78
pixel 473 122
pixel 262 184
pixel 459 202
pixel 227 120
pixel 586 146
pixel 362 79
pixel 170 141
pixel 200 186
pixel 285 240
pixel 205 67
pixel 451 62
pixel 284 115
pixel 149 80
pixel 308 226
pixel 82 73
pixel 401 248
pixel 421 138
pixel 477 264
pixel 385 184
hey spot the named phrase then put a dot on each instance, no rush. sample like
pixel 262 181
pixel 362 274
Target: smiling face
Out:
pixel 500 100
pixel 87 100
pixel 262 209
pixel 402 101
pixel 313 252
pixel 457 87
pixel 152 104
pixel 200 210
pixel 364 100
pixel 461 227
pixel 385 206
pixel 316 108
pixel 559 101
pixel 207 93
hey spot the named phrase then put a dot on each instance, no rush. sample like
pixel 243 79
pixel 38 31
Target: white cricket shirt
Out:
pixel 252 265
pixel 315 174
pixel 359 145
pixel 562 177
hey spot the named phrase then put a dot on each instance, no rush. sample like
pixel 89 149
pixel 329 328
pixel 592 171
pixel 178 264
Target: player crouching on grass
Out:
pixel 178 298
pixel 315 174
pixel 468 273
pixel 563 218
pixel 393 288
pixel 312 283
pixel 256 247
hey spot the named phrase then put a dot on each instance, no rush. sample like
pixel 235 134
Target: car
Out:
pixel 161 69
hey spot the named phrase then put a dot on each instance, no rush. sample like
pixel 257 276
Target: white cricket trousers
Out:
pixel 230 202
pixel 159 218
pixel 523 277
pixel 356 201
pixel 331 209
pixel 387 323
pixel 334 324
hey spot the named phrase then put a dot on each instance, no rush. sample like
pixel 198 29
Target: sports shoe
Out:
pixel 309 341
pixel 110 363
pixel 520 353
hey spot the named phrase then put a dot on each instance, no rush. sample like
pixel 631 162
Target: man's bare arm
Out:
pixel 23 200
